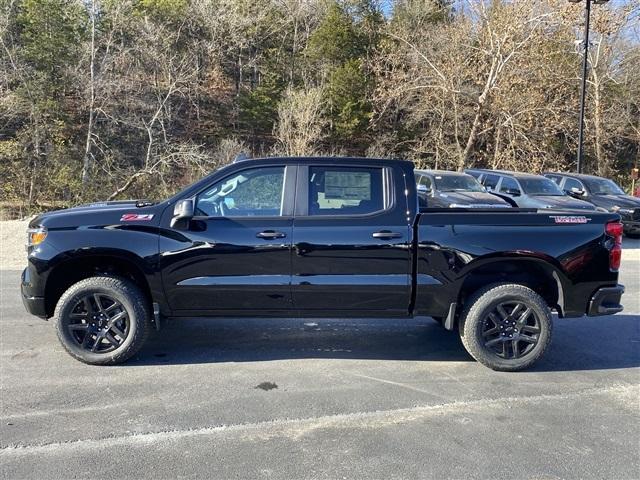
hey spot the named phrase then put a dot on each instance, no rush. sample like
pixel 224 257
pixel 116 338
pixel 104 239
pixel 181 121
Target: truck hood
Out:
pixel 100 214
pixel 472 199
pixel 610 201
pixel 562 202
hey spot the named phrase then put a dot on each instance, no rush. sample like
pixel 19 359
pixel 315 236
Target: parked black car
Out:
pixel 318 237
pixel 526 190
pixel 444 189
pixel 603 193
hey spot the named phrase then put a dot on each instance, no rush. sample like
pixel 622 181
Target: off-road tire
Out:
pixel 132 299
pixel 478 307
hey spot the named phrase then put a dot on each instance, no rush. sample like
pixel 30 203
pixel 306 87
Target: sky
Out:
pixel 387 7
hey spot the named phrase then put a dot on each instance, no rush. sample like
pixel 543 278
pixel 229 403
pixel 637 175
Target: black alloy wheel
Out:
pixel 103 320
pixel 511 330
pixel 506 327
pixel 99 323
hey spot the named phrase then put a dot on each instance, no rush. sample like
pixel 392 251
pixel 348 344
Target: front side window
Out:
pixel 425 182
pixel 255 192
pixel 490 181
pixel 509 186
pixel 571 183
pixel 345 190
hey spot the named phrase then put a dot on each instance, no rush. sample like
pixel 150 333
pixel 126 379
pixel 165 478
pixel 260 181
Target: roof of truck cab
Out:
pixel 441 172
pixel 576 175
pixel 507 173
pixel 315 159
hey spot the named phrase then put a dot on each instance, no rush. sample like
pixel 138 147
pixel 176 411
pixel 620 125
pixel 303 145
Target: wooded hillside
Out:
pixel 121 98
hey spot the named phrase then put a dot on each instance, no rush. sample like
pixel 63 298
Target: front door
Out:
pixel 351 243
pixel 235 257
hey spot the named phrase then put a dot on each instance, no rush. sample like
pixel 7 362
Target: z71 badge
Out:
pixel 136 217
pixel 569 219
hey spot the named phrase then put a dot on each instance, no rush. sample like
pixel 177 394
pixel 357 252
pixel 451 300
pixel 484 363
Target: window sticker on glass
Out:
pixel 347 185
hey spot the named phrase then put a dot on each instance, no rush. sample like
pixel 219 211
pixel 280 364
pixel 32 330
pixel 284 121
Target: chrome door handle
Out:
pixel 386 234
pixel 270 234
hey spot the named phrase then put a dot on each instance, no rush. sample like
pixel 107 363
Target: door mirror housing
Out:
pixel 424 189
pixel 182 214
pixel 513 192
pixel 576 192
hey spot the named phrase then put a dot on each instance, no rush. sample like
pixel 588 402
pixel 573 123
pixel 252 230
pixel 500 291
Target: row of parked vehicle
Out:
pixel 482 188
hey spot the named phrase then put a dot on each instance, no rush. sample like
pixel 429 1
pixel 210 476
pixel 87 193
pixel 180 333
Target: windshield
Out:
pixel 540 186
pixel 603 186
pixel 457 183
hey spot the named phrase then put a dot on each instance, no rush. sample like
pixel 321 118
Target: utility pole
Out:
pixel 585 66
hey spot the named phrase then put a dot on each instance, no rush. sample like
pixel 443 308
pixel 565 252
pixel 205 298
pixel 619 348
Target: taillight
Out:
pixel 614 229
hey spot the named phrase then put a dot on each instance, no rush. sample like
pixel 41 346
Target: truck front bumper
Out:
pixel 631 226
pixel 35 305
pixel 606 301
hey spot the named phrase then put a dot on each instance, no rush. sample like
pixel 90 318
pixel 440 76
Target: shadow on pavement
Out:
pixel 579 344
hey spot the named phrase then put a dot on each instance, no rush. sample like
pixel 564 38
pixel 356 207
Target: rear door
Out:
pixel 351 240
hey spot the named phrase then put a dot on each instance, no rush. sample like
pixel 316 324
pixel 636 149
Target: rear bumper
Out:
pixel 606 301
pixel 34 304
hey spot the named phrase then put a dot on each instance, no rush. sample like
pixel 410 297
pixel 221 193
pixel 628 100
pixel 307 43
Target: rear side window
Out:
pixel 345 190
pixel 490 181
pixel 509 186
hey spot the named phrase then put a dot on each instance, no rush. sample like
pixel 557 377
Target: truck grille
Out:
pixel 636 214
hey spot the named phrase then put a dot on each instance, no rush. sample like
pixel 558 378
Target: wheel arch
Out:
pixel 536 273
pixel 77 268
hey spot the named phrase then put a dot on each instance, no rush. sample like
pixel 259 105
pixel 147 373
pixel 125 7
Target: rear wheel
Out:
pixel 102 320
pixel 506 327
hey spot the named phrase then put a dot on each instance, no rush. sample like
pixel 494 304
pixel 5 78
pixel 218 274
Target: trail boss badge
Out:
pixel 569 219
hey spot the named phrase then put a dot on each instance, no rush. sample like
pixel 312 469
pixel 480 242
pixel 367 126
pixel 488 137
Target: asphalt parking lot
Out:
pixel 321 399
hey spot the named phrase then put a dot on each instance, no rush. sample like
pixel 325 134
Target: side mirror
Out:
pixel 424 189
pixel 576 192
pixel 182 213
pixel 513 192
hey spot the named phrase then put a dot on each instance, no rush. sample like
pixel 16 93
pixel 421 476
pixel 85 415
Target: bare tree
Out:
pixel 300 122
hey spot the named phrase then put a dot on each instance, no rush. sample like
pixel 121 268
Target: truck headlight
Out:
pixel 622 211
pixel 35 236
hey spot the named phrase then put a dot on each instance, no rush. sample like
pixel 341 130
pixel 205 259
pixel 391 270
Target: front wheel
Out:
pixel 102 320
pixel 506 327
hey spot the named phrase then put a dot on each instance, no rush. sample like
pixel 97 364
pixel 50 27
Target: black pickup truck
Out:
pixel 318 237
